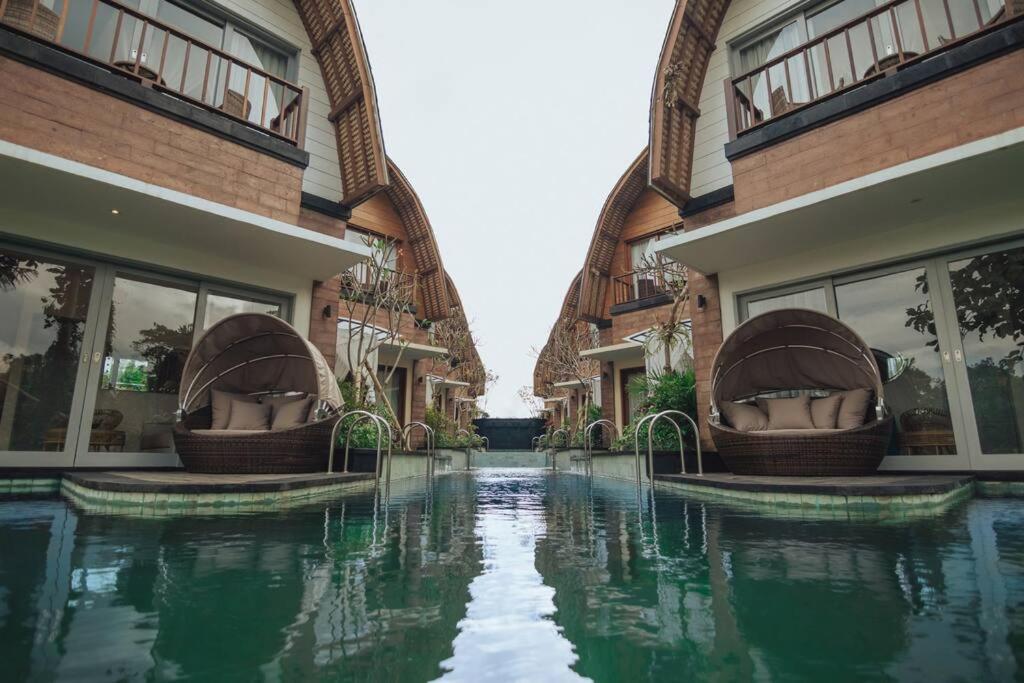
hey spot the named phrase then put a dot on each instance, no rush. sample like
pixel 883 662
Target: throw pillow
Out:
pixel 744 417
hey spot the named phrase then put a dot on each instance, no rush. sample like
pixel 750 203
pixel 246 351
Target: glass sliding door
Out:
pixel 894 313
pixel 44 306
pixel 147 334
pixel 986 292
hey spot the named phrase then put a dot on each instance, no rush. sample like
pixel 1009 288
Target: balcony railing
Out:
pixel 143 48
pixel 881 41
pixel 634 286
pixel 360 281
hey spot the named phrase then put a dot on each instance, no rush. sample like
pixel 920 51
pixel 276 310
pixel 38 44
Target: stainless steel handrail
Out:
pixel 363 415
pixel 588 447
pixel 665 414
pixel 554 455
pixel 636 446
pixel 431 449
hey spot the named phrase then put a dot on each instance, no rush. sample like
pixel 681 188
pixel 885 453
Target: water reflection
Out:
pixel 507 634
pixel 524 576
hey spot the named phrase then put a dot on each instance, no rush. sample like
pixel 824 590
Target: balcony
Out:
pixel 366 284
pixel 157 55
pixel 890 37
pixel 635 286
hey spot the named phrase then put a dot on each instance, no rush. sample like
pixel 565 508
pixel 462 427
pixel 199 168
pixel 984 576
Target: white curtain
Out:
pixel 349 338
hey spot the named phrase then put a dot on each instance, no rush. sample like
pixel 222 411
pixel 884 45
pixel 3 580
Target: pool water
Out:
pixel 510 575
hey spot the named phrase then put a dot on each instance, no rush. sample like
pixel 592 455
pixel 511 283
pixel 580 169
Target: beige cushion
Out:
pixel 246 415
pixel 277 401
pixel 228 432
pixel 744 417
pixel 220 402
pixel 853 409
pixel 825 411
pixel 787 413
pixel 291 414
pixel 797 432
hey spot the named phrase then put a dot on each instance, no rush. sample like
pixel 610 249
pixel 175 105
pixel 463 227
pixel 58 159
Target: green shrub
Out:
pixel 668 391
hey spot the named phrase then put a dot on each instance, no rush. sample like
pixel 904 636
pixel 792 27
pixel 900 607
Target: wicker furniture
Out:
pixel 797 350
pixel 44 24
pixel 926 431
pixel 258 355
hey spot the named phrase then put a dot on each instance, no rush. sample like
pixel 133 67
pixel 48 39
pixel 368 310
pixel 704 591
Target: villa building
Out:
pixel 865 159
pixel 165 165
pixel 618 299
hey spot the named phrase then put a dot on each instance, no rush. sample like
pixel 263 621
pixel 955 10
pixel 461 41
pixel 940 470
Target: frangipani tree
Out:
pixel 374 296
pixel 671 329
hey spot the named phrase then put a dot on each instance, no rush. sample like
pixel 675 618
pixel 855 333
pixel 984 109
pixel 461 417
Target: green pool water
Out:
pixel 510 575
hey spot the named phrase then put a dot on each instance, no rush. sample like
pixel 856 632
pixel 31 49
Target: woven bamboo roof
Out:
pixel 421 242
pixel 338 46
pixel 598 265
pixel 677 87
pixel 542 375
pixel 470 369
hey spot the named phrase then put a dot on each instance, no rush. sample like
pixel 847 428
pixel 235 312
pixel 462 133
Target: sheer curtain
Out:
pixel 763 51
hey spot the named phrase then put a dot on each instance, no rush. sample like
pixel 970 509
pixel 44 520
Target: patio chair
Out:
pixel 256 358
pixel 798 352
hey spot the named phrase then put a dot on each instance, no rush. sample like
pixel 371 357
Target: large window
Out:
pixel 948 335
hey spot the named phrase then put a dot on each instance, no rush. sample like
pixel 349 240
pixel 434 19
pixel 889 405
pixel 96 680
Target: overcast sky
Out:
pixel 513 120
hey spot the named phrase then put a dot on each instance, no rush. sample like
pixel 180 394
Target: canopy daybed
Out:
pixel 806 356
pixel 261 360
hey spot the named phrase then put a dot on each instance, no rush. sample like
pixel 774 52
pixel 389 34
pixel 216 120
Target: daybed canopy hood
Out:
pixel 255 353
pixel 792 349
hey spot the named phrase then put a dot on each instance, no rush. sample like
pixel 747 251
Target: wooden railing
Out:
pixel 881 41
pixel 361 281
pixel 160 56
pixel 633 286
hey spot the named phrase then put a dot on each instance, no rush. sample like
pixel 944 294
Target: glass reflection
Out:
pixel 44 306
pixel 893 314
pixel 148 339
pixel 989 294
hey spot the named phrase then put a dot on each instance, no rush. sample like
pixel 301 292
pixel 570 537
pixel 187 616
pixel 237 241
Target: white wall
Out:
pixel 280 18
pixel 711 170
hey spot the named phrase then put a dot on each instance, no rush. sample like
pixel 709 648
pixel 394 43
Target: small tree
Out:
pixel 670 329
pixel 374 296
pixel 534 404
pixel 562 360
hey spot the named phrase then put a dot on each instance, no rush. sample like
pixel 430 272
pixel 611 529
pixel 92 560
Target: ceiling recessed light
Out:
pixel 115 212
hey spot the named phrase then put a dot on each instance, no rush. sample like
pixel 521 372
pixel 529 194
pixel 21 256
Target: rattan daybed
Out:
pixel 260 356
pixel 794 352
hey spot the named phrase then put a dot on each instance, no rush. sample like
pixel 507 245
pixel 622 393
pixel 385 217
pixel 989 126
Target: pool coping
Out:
pixel 854 493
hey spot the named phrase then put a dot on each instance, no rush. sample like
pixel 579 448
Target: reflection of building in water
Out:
pixel 755 597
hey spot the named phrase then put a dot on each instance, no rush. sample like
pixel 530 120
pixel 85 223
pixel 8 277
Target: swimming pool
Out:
pixel 510 574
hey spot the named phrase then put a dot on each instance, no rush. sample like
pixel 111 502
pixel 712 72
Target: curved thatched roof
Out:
pixel 676 93
pixel 425 252
pixel 598 265
pixel 470 369
pixel 338 47
pixel 542 378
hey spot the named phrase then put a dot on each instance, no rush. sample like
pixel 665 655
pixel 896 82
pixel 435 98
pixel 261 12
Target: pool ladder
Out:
pixel 653 419
pixel 382 428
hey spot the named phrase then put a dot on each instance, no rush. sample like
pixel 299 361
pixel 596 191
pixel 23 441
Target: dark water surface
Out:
pixel 510 575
